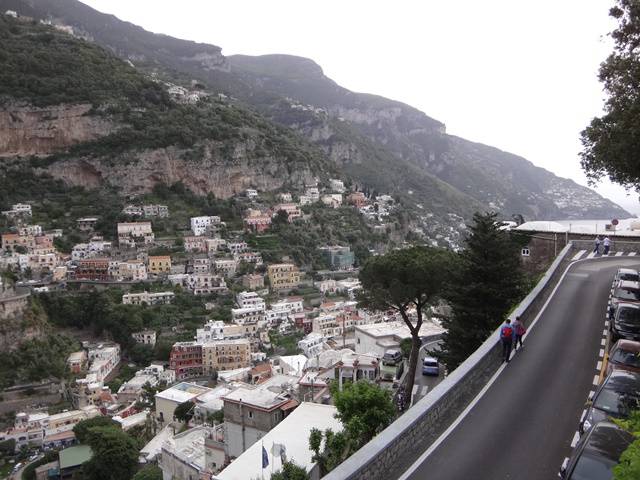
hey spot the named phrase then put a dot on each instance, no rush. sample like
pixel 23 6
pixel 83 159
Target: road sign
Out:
pixel 614 221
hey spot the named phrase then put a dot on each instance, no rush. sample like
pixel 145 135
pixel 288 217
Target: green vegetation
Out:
pixel 611 142
pixel 629 466
pixel 43 66
pixel 364 409
pixel 290 471
pixel 36 360
pixel 413 278
pixel 487 284
pixel 103 314
pixel 115 454
pixel 285 344
pixel 150 472
pixel 326 226
pixel 184 412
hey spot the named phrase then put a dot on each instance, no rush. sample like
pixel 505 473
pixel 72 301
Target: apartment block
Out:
pixel 283 276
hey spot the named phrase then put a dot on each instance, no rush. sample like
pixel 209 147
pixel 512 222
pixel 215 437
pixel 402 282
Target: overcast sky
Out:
pixel 520 76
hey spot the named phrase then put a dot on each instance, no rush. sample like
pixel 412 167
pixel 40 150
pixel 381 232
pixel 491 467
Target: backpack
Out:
pixel 507 332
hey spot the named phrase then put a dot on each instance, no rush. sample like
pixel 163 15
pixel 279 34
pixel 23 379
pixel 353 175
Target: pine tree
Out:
pixel 488 283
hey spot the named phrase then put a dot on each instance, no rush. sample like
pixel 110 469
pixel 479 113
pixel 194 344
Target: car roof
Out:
pixel 607 440
pixel 623 381
pixel 629 284
pixel 431 359
pixel 628 345
pixel 628 270
pixel 623 305
pixel 392 351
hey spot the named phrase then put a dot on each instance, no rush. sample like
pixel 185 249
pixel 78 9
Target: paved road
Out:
pixel 426 383
pixel 523 426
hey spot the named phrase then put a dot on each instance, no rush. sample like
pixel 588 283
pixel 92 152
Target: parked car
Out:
pixel 627 274
pixel 624 355
pixel 430 366
pixel 625 291
pixel 392 357
pixel 626 322
pixel 597 453
pixel 618 395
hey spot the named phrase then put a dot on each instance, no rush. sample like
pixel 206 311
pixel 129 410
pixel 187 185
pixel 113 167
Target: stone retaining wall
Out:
pixel 391 452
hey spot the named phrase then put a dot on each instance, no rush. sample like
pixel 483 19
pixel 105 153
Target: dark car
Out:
pixel 626 274
pixel 625 355
pixel 618 395
pixel 625 291
pixel 626 322
pixel 597 453
pixel 392 357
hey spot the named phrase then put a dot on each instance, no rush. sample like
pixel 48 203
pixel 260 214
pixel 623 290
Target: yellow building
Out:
pixel 226 355
pixel 283 276
pixel 159 264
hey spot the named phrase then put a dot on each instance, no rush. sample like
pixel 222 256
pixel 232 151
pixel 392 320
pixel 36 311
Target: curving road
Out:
pixel 522 427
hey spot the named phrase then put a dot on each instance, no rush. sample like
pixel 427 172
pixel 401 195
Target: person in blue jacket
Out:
pixel 507 336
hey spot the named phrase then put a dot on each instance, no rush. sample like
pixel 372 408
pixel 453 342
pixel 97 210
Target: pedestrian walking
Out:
pixel 520 330
pixel 596 248
pixel 507 334
pixel 607 244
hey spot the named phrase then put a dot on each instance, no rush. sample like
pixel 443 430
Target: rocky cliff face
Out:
pixel 27 130
pixel 209 167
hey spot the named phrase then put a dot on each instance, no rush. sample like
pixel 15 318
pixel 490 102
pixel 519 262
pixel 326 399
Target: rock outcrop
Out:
pixel 28 130
pixel 207 168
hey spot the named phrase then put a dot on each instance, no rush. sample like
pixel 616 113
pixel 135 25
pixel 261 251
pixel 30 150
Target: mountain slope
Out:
pixel 99 122
pixel 388 143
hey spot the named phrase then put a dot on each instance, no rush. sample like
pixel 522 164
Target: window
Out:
pixel 250 414
pixel 525 251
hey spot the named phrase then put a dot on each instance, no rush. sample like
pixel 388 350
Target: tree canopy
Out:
pixel 151 472
pixel 611 144
pixel 488 282
pixel 364 409
pixel 184 412
pixel 629 466
pixel 115 454
pixel 404 281
pixel 290 471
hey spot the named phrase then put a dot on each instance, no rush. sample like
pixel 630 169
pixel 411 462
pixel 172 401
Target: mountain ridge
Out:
pixel 278 86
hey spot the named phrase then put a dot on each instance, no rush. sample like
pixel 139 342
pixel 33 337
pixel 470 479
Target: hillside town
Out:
pixel 259 371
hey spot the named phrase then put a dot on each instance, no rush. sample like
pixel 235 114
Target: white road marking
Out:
pixel 579 255
pixel 591 255
pixel 632 254
pixel 619 254
pixel 606 324
pixel 603 342
pixel 478 397
pixel 591 394
pixel 576 437
pixel 601 354
pixel 595 379
pixel 604 332
pixel 599 365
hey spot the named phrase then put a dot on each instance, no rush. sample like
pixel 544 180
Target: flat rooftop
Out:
pixel 289 432
pixel 398 328
pixel 182 392
pixel 259 397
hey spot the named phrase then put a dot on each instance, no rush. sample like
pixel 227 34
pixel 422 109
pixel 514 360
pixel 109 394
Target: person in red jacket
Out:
pixel 507 335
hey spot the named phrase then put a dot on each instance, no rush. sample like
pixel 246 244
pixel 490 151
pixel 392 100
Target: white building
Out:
pixel 292 434
pixel 336 186
pixel 169 399
pixel 237 247
pixel 211 331
pixel 201 225
pixel 250 300
pixel 153 298
pixel 312 344
pixel 226 267
pixel 249 315
pixel 251 193
pixel 377 338
pixel 145 337
pixel 103 359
